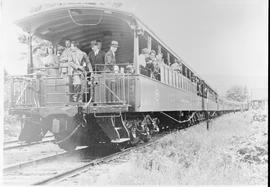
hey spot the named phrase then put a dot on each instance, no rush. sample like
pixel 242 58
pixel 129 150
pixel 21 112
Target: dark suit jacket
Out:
pixel 99 59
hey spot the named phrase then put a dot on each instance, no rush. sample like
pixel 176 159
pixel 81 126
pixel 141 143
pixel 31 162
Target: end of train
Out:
pixel 121 106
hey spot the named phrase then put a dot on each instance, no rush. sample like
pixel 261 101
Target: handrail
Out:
pixel 97 66
pixel 112 93
pixel 22 92
pixel 105 116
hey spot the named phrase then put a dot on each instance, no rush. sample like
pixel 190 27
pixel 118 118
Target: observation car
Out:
pixel 118 107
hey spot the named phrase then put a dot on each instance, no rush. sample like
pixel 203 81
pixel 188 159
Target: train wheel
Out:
pixel 134 138
pixel 146 137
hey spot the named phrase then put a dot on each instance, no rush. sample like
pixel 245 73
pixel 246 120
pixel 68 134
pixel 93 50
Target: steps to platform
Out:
pixel 114 128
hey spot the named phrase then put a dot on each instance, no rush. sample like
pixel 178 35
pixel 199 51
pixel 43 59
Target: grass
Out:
pixel 200 157
pixel 12 126
pixel 11 123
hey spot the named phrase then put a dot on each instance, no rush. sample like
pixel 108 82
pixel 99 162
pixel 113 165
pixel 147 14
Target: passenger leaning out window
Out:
pixel 142 61
pixel 150 64
pixel 176 66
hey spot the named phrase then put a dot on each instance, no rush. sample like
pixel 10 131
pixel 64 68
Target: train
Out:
pixel 120 108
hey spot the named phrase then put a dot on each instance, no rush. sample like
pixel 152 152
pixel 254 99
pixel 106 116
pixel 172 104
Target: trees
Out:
pixel 237 93
pixel 37 43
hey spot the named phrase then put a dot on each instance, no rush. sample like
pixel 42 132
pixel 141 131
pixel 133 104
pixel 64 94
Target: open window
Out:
pixel 142 42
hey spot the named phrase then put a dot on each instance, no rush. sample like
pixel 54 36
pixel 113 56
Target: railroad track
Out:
pixel 46 171
pixel 50 169
pixel 22 165
pixel 14 144
pixel 20 171
pixel 89 164
pixel 84 168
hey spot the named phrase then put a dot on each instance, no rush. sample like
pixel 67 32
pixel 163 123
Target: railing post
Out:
pixel 12 93
pixel 149 42
pixel 168 58
pixel 136 52
pixel 30 56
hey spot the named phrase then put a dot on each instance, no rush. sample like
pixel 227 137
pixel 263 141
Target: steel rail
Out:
pixel 85 167
pixel 93 162
pixel 26 144
pixel 17 141
pixel 41 160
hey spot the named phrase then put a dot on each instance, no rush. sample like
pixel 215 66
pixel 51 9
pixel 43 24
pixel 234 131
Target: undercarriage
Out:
pixel 122 130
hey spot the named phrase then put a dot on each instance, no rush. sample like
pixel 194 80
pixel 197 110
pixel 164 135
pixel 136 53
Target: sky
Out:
pixel 224 41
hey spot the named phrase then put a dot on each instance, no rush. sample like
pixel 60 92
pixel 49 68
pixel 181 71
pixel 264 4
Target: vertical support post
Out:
pixel 168 58
pixel 54 44
pixel 207 120
pixel 30 56
pixel 12 94
pixel 159 49
pixel 136 51
pixel 149 42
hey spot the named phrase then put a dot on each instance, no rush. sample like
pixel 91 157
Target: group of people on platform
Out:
pixel 72 56
pixel 73 61
pixel 150 63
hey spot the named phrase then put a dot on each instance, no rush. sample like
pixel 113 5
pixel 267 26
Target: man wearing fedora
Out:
pixel 110 60
pixel 96 56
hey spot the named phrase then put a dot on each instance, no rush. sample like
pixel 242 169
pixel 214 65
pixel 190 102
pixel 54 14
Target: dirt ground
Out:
pixel 234 151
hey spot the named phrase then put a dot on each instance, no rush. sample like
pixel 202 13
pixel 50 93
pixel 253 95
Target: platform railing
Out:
pixel 41 89
pixel 24 91
pixel 111 89
pixel 126 68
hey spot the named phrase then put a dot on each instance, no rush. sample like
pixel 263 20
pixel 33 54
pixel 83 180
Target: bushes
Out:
pixel 199 157
pixel 11 126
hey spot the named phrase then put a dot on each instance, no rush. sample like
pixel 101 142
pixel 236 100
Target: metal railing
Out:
pixel 111 89
pixel 42 89
pixel 114 68
pixel 24 91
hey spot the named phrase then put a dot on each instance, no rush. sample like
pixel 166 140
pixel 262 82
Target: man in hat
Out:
pixel 110 56
pixel 96 56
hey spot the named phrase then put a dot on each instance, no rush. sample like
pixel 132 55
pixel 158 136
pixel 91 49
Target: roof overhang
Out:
pixel 76 22
pixel 84 22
